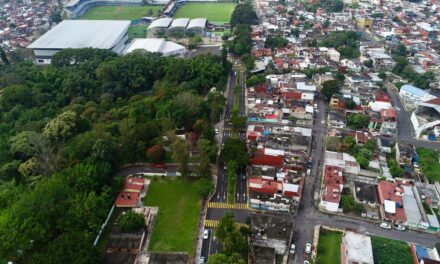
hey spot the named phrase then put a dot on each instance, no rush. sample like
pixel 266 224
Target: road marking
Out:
pixel 214 223
pixel 228 206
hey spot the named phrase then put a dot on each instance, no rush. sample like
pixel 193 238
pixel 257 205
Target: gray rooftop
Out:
pixel 161 23
pixel 179 23
pixel 197 23
pixel 102 34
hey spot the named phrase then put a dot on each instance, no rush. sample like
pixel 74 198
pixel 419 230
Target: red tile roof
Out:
pixel 292 95
pixel 381 96
pixel 393 192
pixel 274 161
pixel 435 101
pixel 263 186
pixel 333 182
pixel 133 184
pixel 127 199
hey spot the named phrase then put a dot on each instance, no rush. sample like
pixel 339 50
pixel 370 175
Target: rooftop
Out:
pixel 414 90
pixel 270 226
pixel 358 248
pixel 197 23
pixel 101 34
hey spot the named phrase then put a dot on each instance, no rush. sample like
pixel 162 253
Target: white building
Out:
pixel 356 248
pixel 76 34
pixel 426 118
pixel 167 48
pixel 412 96
pixel 334 55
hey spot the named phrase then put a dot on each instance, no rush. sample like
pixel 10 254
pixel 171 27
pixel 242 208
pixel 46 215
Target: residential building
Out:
pixel 356 248
pixel 412 96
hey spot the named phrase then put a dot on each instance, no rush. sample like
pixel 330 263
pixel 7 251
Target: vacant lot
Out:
pixel 139 31
pixel 428 159
pixel 120 12
pixel 329 247
pixel 388 251
pixel 214 12
pixel 179 209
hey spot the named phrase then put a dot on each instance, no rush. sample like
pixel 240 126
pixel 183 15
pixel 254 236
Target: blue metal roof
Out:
pixel 414 90
pixel 421 252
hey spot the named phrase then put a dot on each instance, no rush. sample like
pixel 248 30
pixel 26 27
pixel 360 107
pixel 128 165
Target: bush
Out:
pixel 130 221
pixel 387 251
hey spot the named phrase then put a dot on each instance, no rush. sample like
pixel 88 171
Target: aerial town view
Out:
pixel 220 131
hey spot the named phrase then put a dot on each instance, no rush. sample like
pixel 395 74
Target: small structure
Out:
pixel 356 248
pixel 197 26
pixel 131 194
pixel 159 26
pixel 391 201
pixel 159 45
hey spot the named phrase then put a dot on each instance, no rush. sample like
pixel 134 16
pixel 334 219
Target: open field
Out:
pixel 388 251
pixel 120 12
pixel 138 31
pixel 428 159
pixel 329 247
pixel 179 202
pixel 214 12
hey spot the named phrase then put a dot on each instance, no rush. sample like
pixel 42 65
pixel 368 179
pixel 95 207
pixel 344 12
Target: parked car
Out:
pixel 205 234
pixel 385 225
pixel 202 260
pixel 306 262
pixel 399 227
pixel 292 248
pixel 216 131
pixel 308 248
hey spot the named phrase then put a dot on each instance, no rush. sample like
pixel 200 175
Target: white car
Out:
pixel 292 249
pixel 399 227
pixel 202 260
pixel 306 262
pixel 385 225
pixel 216 131
pixel 205 234
pixel 308 248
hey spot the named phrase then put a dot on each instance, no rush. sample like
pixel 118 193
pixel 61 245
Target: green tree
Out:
pixel 332 143
pixel 130 221
pixel 347 202
pixel 235 150
pixel 363 162
pixel 62 126
pixel 329 88
pixel 180 155
pixel 243 14
pixel 358 121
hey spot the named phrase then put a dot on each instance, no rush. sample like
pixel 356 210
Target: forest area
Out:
pixel 66 127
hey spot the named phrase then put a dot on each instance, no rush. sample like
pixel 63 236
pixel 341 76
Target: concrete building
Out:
pixel 167 48
pixel 197 26
pixel 76 34
pixel 159 26
pixel 271 232
pixel 356 248
pixel 412 96
pixel 415 217
pixel 426 118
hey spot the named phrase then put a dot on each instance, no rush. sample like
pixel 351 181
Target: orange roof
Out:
pixel 126 199
pixel 133 184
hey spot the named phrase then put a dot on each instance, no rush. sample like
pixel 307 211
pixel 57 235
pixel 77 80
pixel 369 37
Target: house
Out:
pixel 426 118
pixel 356 248
pixel 132 192
pixel 412 96
pixel 333 182
pixel 365 193
pixel 391 201
pixel 405 153
pixel 384 145
pixel 270 231
pixel 416 218
pixel 336 120
pixel 333 55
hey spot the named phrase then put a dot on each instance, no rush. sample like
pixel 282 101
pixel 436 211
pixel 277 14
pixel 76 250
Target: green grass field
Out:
pixel 120 12
pixel 179 210
pixel 329 247
pixel 139 31
pixel 428 159
pixel 214 12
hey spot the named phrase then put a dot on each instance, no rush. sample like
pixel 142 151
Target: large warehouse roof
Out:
pixel 102 34
pixel 161 23
pixel 197 23
pixel 179 23
pixel 155 45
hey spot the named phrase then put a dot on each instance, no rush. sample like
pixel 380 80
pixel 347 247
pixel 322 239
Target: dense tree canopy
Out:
pixel 65 127
pixel 346 42
pixel 243 14
pixel 329 88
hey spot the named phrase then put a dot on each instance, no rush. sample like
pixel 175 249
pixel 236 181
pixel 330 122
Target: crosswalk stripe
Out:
pixel 227 205
pixel 214 223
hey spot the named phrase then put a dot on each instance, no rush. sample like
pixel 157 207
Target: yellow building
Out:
pixel 365 22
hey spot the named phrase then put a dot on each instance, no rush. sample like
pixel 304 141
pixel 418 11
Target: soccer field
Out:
pixel 214 12
pixel 120 12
